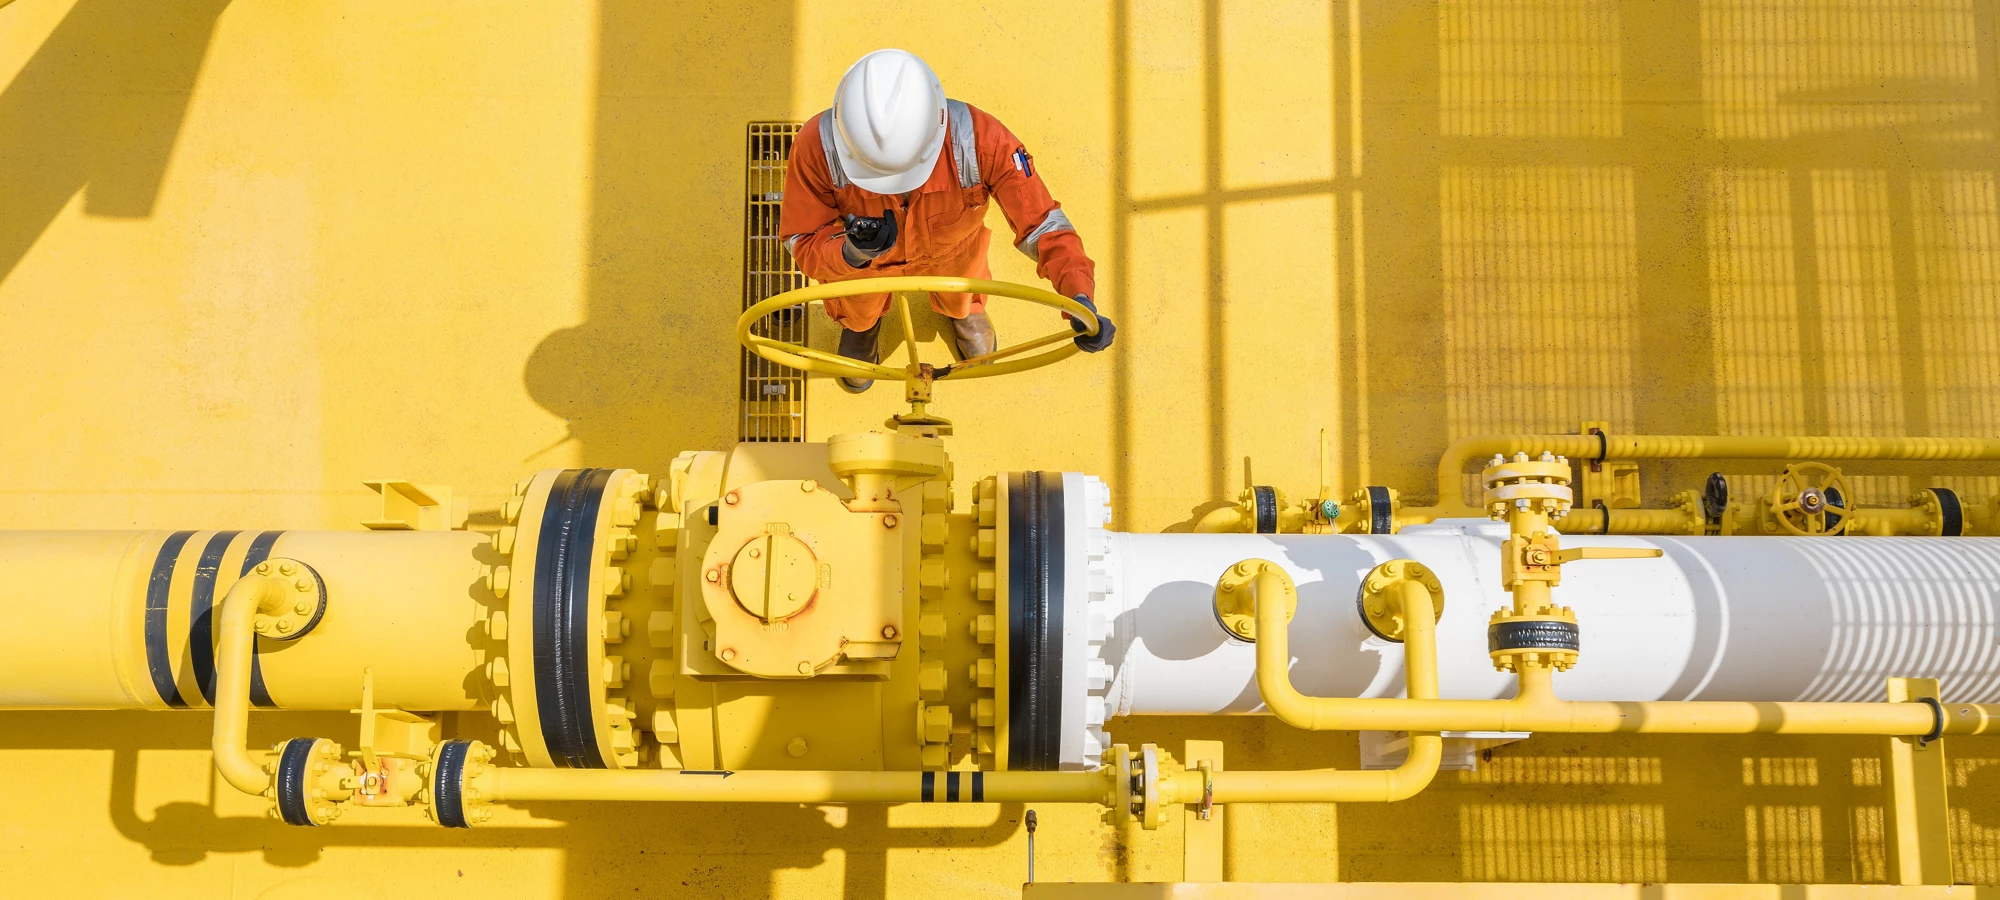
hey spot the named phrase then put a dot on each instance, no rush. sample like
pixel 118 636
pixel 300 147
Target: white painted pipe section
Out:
pixel 1716 618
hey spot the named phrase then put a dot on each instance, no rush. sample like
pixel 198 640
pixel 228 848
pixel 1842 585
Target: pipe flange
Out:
pixel 307 600
pixel 1522 483
pixel 1550 638
pixel 1236 599
pixel 1382 609
pixel 1942 506
pixel 1090 502
pixel 565 702
pixel 449 798
pixel 309 781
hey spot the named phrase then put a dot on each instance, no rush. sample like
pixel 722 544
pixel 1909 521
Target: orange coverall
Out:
pixel 941 228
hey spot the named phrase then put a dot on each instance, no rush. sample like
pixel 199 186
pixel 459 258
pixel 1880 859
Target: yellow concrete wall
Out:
pixel 253 253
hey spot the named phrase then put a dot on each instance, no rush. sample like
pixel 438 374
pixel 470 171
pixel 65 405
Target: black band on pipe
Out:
pixel 564 560
pixel 159 587
pixel 951 787
pixel 1035 620
pixel 929 793
pixel 1951 514
pixel 1533 634
pixel 201 612
pixel 1603 445
pixel 260 550
pixel 292 781
pixel 448 784
pixel 1264 501
pixel 1937 721
pixel 1381 513
pixel 979 787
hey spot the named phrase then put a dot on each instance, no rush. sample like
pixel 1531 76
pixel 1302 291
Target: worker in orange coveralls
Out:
pixel 895 180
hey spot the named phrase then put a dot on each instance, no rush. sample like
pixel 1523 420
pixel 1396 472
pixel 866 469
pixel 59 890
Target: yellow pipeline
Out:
pixel 1537 708
pixel 1464 451
pixel 251 595
pixel 1274 680
pixel 793 787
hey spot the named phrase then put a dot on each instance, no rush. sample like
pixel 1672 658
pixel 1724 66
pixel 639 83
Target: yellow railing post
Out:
pixel 1919 814
pixel 1201 823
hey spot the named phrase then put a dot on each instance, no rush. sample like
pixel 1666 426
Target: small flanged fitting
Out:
pixel 309 781
pixel 450 796
pixel 1381 606
pixel 1549 638
pixel 1537 485
pixel 304 604
pixel 1236 600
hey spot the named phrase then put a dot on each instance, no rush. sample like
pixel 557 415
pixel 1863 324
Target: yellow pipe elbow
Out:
pixel 1222 520
pixel 250 595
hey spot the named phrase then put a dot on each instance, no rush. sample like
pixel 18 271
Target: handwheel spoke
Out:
pixel 1017 349
pixel 857 367
pixel 1017 358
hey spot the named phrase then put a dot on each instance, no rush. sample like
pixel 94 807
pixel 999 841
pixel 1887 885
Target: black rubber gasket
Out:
pixel 1035 620
pixel 1937 721
pixel 1834 501
pixel 201 612
pixel 293 781
pixel 564 560
pixel 1950 511
pixel 448 784
pixel 1715 498
pixel 260 550
pixel 1265 502
pixel 159 587
pixel 1381 513
pixel 1533 634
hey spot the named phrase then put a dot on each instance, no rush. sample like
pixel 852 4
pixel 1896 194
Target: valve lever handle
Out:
pixel 1576 553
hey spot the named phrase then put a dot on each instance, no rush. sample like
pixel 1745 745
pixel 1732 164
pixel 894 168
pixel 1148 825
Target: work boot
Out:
pixel 860 345
pixel 975 335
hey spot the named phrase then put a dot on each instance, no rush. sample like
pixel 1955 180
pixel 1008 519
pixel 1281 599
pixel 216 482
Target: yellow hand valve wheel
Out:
pixel 1810 499
pixel 1003 361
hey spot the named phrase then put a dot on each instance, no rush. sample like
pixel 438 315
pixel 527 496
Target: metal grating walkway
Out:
pixel 774 396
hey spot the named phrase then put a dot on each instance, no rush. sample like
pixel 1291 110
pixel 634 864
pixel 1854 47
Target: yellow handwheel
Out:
pixel 1003 361
pixel 1811 499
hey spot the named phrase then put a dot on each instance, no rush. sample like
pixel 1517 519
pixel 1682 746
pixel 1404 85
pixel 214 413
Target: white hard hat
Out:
pixel 888 122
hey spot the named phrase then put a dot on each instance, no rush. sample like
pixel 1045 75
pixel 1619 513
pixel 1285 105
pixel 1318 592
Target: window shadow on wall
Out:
pixel 97 109
pixel 652 369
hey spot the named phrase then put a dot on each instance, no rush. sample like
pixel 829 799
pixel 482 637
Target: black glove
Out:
pixel 1105 330
pixel 868 237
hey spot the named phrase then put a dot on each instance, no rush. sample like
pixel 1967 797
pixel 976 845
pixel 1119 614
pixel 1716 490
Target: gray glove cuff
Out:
pixel 857 258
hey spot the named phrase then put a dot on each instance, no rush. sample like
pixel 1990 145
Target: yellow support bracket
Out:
pixel 1919 813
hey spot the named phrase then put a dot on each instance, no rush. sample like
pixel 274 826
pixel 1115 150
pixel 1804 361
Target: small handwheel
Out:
pixel 1810 499
pixel 1003 361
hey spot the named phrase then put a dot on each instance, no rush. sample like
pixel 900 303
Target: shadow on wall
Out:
pixel 653 368
pixel 714 850
pixel 98 108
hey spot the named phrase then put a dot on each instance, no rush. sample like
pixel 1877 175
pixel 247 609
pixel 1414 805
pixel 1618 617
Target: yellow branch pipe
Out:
pixel 1274 680
pixel 252 594
pixel 1464 451
pixel 1536 707
pixel 770 786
